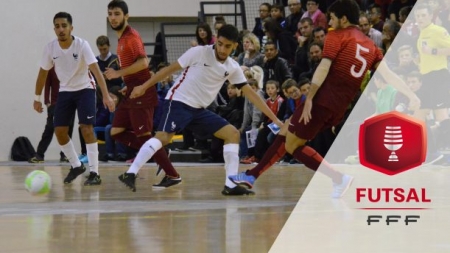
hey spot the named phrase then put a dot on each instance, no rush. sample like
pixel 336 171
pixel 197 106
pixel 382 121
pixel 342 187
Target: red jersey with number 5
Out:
pixel 352 53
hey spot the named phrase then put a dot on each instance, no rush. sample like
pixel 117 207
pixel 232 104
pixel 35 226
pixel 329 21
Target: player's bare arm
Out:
pixel 260 104
pixel 40 83
pixel 319 77
pixel 398 84
pixel 108 102
pixel 159 76
pixel 140 64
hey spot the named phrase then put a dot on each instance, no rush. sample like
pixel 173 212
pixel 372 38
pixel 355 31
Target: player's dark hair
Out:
pixel 118 4
pixel 229 32
pixel 348 8
pixel 102 40
pixel 63 15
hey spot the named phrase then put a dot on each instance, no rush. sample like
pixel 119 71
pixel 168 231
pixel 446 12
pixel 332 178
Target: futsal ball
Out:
pixel 38 182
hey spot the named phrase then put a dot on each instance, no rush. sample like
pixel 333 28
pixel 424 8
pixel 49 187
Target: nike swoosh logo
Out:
pixel 206 65
pixel 54 58
pixel 90 117
pixel 141 127
pixel 291 124
pixel 439 105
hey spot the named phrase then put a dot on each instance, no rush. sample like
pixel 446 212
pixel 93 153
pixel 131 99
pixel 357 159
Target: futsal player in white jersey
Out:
pixel 73 60
pixel 206 68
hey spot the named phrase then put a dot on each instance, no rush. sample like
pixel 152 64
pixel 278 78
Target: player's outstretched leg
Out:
pixel 275 152
pixel 311 159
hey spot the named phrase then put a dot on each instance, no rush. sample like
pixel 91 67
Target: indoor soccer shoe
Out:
pixel 243 179
pixel 236 191
pixel 129 179
pixel 74 173
pixel 35 159
pixel 93 179
pixel 340 189
pixel 167 182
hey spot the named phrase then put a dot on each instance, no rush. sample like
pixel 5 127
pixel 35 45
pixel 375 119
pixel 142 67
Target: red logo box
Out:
pixel 392 143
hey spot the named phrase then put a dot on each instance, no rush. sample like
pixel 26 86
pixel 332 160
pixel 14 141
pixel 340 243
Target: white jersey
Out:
pixel 71 65
pixel 203 76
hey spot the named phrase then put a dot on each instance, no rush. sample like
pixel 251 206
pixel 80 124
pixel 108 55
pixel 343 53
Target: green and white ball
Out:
pixel 38 182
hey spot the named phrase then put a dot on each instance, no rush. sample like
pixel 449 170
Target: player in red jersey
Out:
pixel 133 119
pixel 347 55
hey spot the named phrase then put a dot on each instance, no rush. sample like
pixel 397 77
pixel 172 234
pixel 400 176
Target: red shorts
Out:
pixel 321 119
pixel 139 120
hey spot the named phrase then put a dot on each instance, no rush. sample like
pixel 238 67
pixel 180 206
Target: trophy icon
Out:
pixel 393 141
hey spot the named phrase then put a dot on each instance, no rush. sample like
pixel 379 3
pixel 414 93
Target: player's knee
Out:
pixel 228 133
pixel 163 137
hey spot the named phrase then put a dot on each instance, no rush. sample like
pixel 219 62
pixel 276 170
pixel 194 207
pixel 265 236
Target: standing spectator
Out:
pixel 74 61
pixel 133 119
pixel 50 98
pixel 106 59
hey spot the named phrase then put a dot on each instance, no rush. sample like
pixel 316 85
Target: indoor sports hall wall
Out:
pixel 26 27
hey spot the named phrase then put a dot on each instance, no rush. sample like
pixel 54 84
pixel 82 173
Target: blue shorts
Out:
pixel 69 102
pixel 177 116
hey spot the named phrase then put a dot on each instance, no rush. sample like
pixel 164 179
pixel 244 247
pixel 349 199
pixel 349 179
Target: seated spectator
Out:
pixel 252 119
pixel 277 14
pixel 312 11
pixel 203 35
pixel 258 29
pixel 233 112
pixel 278 106
pixel 275 67
pixel 284 40
pixel 251 55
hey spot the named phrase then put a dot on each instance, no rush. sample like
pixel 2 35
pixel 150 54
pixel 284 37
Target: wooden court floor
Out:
pixel 191 217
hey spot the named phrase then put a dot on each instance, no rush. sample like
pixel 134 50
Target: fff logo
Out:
pixel 392 143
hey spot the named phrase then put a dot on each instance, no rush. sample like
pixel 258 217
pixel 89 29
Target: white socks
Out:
pixel 231 157
pixel 69 150
pixel 145 153
pixel 92 154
